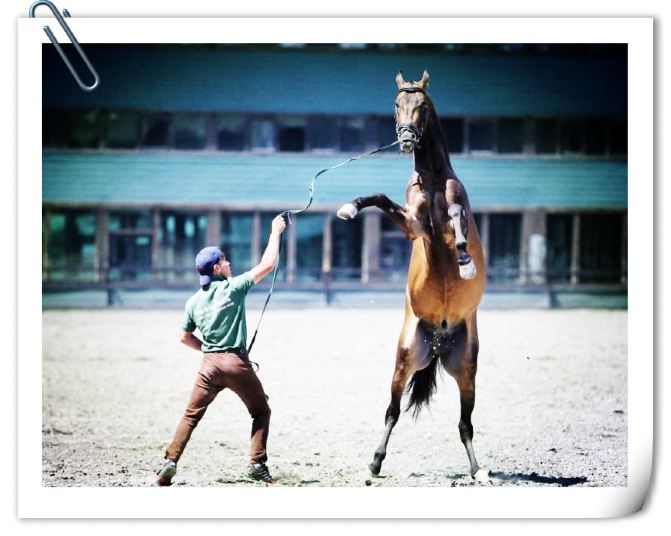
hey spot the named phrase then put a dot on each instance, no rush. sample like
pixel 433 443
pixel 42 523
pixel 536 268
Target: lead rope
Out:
pixel 287 216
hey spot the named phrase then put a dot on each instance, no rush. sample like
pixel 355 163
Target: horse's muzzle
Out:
pixel 407 146
pixel 408 136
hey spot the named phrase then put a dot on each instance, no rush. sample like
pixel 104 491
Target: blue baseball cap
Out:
pixel 205 260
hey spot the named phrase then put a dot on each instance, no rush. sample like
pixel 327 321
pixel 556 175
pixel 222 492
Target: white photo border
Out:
pixel 35 500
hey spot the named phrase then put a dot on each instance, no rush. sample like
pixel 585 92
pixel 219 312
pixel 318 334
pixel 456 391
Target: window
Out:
pixel 328 134
pixel 130 239
pixel 510 136
pixel 481 135
pixel 131 220
pixel 262 134
pixel 347 239
pixel 54 128
pixel 130 257
pixel 595 137
pixel 122 130
pixel 395 251
pixel 618 137
pixel 309 244
pixel 352 134
pixel 477 218
pixel 156 130
pixel 386 132
pixel 323 133
pixel 230 132
pixel 291 134
pixel 190 131
pixel 504 246
pixel 600 248
pixel 181 236
pixel 236 239
pixel 546 136
pixel 69 242
pixel 86 130
pixel 559 245
pixel 453 128
pixel 572 137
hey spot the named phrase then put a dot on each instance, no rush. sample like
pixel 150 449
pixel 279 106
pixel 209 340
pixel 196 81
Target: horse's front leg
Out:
pixel 396 213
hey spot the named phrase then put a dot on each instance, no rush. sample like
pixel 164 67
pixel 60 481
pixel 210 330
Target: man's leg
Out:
pixel 244 382
pixel 202 395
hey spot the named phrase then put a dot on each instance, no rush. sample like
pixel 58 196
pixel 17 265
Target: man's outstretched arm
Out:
pixel 271 255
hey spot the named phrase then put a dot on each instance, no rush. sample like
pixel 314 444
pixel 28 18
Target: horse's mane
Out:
pixel 437 133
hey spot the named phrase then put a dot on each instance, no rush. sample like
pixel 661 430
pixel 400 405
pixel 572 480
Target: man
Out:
pixel 218 311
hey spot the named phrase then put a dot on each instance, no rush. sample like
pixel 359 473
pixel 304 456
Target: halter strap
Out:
pixel 415 131
pixel 411 89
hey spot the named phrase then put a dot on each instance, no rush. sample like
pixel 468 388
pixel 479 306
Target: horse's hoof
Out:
pixel 376 464
pixel 481 475
pixel 467 271
pixel 375 468
pixel 347 211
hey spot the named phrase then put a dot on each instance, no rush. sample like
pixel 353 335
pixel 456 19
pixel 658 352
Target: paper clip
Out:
pixel 74 41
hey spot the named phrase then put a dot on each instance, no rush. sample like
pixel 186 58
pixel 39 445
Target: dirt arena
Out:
pixel 551 401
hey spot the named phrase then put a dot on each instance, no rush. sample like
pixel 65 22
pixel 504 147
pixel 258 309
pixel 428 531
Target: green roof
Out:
pixel 250 80
pixel 281 181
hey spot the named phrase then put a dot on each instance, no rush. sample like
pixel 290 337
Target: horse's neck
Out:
pixel 432 159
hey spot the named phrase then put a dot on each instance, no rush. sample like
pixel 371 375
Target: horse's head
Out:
pixel 412 111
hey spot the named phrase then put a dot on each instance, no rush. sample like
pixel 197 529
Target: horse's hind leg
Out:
pixel 401 375
pixel 462 363
pixel 411 355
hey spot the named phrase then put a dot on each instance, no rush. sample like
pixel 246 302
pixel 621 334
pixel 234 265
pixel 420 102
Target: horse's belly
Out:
pixel 438 301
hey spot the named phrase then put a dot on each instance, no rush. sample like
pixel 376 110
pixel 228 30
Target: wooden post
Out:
pixel 327 244
pixel 467 134
pixel 155 246
pixel 484 236
pixel 370 248
pixel 102 244
pixel 624 248
pixel 534 248
pixel 291 251
pixel 529 136
pixel 46 234
pixel 575 250
pixel 327 256
pixel 255 256
pixel 213 229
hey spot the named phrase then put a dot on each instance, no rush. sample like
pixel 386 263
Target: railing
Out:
pixel 337 280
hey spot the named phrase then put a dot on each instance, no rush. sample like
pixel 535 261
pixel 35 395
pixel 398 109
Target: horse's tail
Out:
pixel 421 387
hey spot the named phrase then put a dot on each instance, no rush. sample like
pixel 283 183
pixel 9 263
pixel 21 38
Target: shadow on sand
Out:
pixel 538 479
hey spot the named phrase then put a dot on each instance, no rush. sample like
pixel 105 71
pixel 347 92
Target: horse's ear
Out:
pixel 399 79
pixel 425 80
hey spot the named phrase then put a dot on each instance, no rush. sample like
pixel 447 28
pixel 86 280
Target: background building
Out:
pixel 183 146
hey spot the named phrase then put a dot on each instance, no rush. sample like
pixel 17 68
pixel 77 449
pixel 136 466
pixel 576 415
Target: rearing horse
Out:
pixel 446 278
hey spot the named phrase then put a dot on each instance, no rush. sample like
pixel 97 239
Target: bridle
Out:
pixel 414 131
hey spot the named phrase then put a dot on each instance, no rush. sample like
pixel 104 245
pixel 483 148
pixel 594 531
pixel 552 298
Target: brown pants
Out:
pixel 219 371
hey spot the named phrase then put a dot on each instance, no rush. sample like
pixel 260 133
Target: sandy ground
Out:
pixel 551 406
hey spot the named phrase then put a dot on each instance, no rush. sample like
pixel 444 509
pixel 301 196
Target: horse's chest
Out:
pixel 430 214
pixel 435 289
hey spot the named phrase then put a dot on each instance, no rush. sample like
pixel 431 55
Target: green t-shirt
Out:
pixel 218 311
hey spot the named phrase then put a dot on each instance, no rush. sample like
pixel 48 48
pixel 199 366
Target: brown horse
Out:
pixel 446 278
